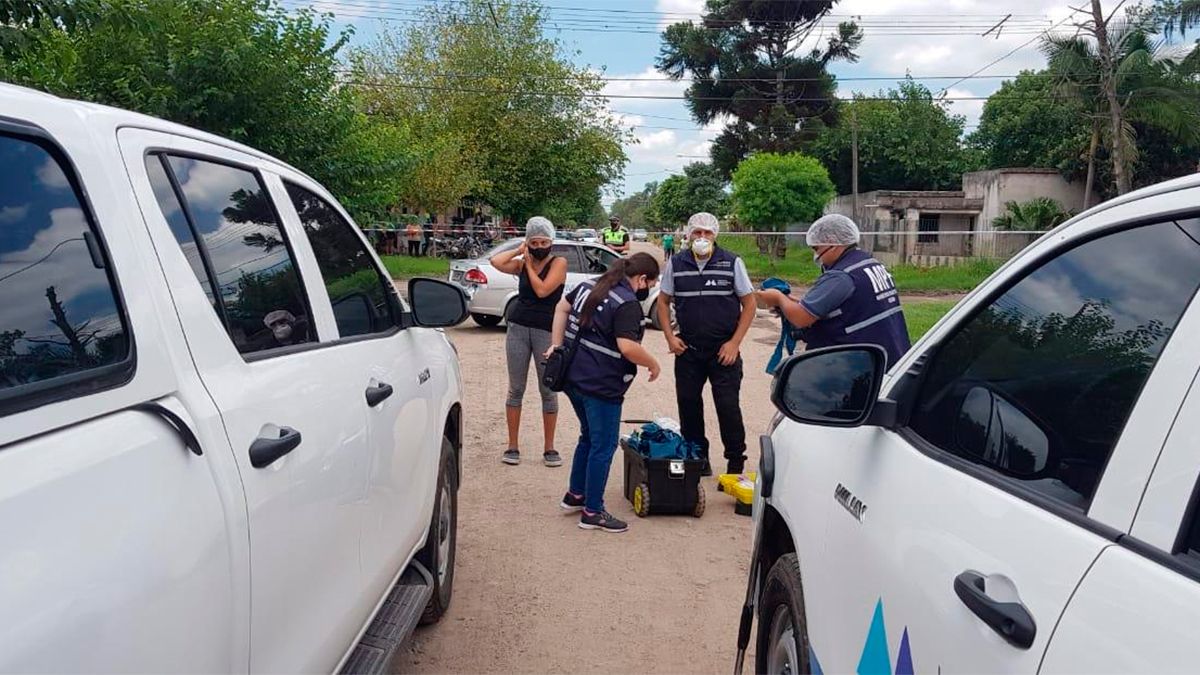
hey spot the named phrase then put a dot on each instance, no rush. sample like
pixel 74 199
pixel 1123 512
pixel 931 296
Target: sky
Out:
pixel 934 41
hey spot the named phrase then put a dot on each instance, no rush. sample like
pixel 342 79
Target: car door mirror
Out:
pixel 995 432
pixel 436 303
pixel 833 387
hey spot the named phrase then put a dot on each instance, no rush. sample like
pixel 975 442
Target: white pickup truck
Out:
pixel 226 443
pixel 1021 492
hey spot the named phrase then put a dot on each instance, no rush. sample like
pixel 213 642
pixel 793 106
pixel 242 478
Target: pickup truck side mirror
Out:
pixel 832 387
pixel 436 303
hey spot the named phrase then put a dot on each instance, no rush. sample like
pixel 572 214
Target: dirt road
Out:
pixel 535 594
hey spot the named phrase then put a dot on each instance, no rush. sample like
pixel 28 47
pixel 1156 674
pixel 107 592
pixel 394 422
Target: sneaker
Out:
pixel 511 456
pixel 571 503
pixel 551 458
pixel 601 521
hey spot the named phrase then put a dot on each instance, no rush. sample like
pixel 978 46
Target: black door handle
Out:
pixel 377 394
pixel 264 451
pixel 1011 620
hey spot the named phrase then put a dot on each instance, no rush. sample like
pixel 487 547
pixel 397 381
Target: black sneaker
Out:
pixel 571 503
pixel 601 521
pixel 511 456
pixel 551 458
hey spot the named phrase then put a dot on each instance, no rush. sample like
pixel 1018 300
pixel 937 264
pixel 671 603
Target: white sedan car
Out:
pixel 491 291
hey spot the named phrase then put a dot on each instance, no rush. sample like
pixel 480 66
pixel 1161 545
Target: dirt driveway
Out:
pixel 535 594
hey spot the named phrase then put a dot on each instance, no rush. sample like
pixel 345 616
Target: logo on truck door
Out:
pixel 849 502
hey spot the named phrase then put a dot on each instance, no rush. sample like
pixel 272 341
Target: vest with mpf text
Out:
pixel 706 302
pixel 598 369
pixel 871 315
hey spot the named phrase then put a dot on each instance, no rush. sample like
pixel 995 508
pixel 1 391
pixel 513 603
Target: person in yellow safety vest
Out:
pixel 615 236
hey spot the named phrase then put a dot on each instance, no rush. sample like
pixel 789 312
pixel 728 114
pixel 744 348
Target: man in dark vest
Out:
pixel 714 306
pixel 854 301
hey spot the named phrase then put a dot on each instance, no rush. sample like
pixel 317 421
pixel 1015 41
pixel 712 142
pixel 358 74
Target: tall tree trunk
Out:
pixel 1090 183
pixel 1108 83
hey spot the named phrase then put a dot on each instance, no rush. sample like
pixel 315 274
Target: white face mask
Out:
pixel 282 332
pixel 702 247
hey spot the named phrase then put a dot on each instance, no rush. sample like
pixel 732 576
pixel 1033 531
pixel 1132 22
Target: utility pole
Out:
pixel 854 157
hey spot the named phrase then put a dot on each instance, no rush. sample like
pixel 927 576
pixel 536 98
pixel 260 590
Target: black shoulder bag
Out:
pixel 555 367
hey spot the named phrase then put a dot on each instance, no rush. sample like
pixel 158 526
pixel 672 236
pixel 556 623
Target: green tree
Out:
pixel 700 188
pixel 758 63
pixel 1038 214
pixel 1120 74
pixel 906 141
pixel 531 124
pixel 244 69
pixel 1025 124
pixel 772 191
pixel 634 210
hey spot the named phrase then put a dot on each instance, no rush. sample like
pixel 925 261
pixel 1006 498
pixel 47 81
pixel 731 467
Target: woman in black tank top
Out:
pixel 541 277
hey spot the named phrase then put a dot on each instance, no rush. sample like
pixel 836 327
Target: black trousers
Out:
pixel 414 247
pixel 693 369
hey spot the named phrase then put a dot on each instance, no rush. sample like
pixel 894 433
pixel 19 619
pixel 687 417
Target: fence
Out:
pixel 924 248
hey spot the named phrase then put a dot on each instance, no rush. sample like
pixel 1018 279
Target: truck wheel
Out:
pixel 438 554
pixel 486 320
pixel 641 500
pixel 698 510
pixel 782 630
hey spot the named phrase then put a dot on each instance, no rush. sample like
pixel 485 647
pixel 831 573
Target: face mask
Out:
pixel 702 247
pixel 539 253
pixel 817 258
pixel 642 293
pixel 282 332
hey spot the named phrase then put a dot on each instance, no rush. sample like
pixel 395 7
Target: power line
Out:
pixel 766 80
pixel 1023 45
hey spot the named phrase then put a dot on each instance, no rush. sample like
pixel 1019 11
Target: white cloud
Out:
pixel 12 214
pixel 649 82
pixel 679 10
pixel 656 140
pixel 51 175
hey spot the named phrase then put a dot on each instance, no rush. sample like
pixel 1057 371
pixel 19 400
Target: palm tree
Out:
pixel 1139 82
pixel 1035 215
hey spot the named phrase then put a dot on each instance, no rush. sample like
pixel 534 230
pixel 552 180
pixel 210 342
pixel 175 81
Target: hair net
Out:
pixel 833 229
pixel 703 221
pixel 538 226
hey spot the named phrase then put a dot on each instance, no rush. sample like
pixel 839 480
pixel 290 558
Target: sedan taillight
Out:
pixel 475 276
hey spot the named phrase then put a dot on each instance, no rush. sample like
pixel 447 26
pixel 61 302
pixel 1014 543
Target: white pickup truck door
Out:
pixel 307 507
pixel 122 545
pixel 398 382
pixel 955 544
pixel 1138 607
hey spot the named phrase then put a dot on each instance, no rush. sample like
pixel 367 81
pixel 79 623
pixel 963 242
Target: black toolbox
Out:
pixel 662 486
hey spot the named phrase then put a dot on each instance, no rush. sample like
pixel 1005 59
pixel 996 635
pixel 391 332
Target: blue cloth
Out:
pixel 654 442
pixel 599 429
pixel 787 333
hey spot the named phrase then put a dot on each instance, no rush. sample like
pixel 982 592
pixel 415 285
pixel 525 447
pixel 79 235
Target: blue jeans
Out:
pixel 599 429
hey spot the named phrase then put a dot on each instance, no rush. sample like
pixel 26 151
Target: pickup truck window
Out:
pixel 363 302
pixel 59 317
pixel 233 224
pixel 1037 386
pixel 172 209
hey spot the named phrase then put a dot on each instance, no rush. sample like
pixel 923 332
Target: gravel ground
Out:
pixel 534 593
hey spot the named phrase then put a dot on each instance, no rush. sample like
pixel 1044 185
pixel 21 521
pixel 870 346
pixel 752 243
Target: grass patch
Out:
pixel 798 268
pixel 920 316
pixel 403 266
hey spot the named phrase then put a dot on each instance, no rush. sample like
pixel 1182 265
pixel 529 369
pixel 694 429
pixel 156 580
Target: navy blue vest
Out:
pixel 598 368
pixel 706 303
pixel 872 315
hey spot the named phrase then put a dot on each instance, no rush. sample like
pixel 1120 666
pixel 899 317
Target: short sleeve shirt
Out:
pixel 741 279
pixel 831 289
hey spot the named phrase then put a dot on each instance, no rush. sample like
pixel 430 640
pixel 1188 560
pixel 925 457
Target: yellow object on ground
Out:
pixel 740 486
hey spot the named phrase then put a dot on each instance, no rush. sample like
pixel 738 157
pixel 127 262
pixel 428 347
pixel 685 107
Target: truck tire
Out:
pixel 486 320
pixel 782 630
pixel 440 545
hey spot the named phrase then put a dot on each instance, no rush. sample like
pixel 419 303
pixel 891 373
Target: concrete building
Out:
pixel 952 226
